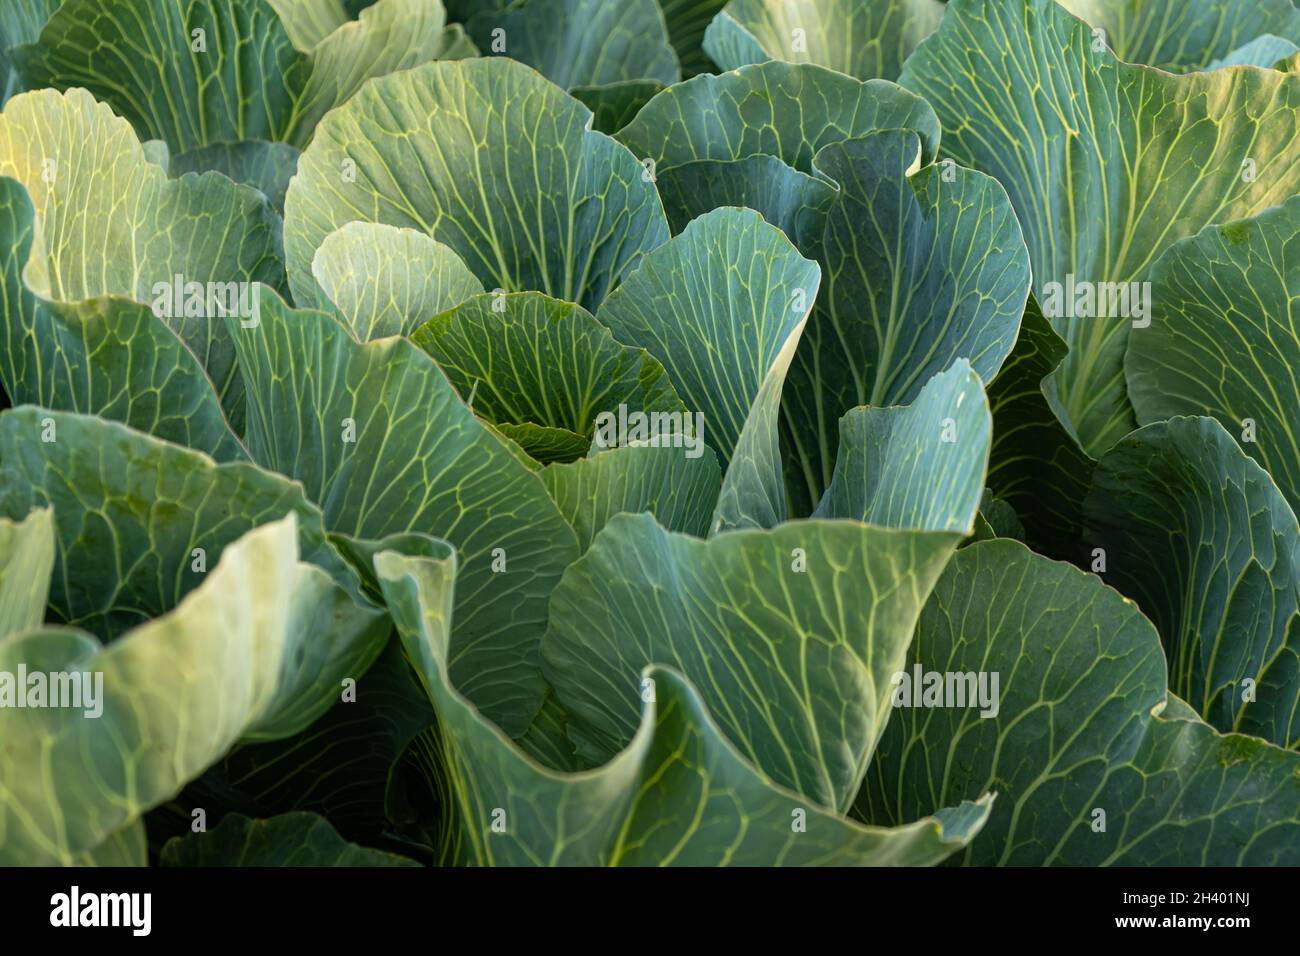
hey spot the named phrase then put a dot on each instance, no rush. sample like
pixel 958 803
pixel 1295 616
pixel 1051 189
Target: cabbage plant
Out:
pixel 550 432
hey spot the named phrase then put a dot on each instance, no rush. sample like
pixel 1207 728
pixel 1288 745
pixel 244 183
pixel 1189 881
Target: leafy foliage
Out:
pixel 665 432
pixel 1105 168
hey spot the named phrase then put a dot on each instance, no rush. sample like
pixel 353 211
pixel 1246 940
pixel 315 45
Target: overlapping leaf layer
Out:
pixel 665 432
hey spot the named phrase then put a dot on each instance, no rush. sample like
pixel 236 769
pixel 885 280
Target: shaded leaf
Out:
pixel 20 22
pixel 680 491
pixel 267 167
pixel 1072 732
pixel 997 519
pixel 687 21
pixel 530 359
pixel 581 42
pixel 614 104
pixel 1202 539
pixel 294 839
pixel 794 202
pixel 345 766
pixel 1036 463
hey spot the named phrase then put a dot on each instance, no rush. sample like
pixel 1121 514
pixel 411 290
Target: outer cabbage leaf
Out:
pixel 1201 537
pixel 863 38
pixel 795 202
pixel 128 846
pixel 771 627
pixel 381 441
pixel 921 466
pixel 309 21
pixel 257 650
pixel 1225 338
pixel 110 223
pixel 1106 164
pixel 679 794
pixel 223 72
pixel 26 561
pixel 1081 726
pixel 587 43
pixel 679 491
pixel 1263 51
pixel 107 356
pixel 1184 35
pixel 750 138
pixel 20 22
pixel 386 281
pixel 921 268
pixel 771 109
pixel 139 522
pixel 490 159
pixel 722 307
